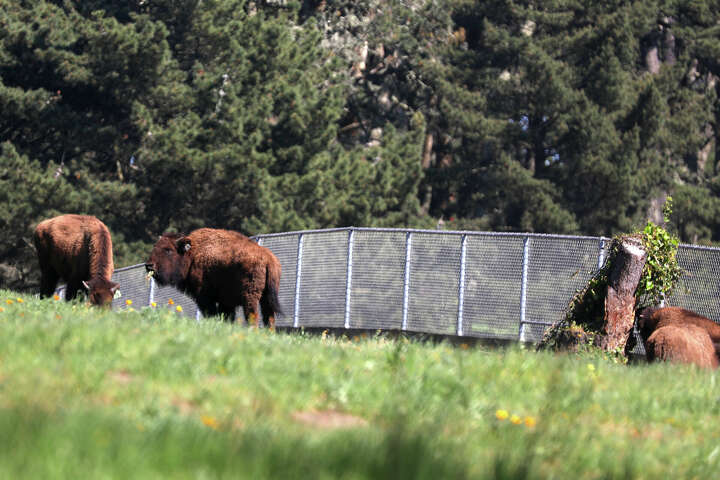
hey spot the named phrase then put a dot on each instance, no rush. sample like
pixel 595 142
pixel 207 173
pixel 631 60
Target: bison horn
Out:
pixel 85 284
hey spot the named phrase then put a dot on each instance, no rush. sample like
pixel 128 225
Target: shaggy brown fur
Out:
pixel 653 318
pixel 77 248
pixel 682 344
pixel 220 269
pixel 678 334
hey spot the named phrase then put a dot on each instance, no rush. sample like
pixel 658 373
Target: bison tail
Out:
pixel 270 301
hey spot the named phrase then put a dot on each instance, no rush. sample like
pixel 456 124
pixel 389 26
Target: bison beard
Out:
pixel 679 335
pixel 220 269
pixel 77 248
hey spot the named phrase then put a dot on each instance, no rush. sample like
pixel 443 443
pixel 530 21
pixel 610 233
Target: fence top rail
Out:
pixel 430 231
pixel 688 246
pixel 704 248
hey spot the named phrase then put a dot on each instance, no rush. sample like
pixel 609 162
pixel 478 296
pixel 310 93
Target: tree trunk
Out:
pixel 426 162
pixel 620 299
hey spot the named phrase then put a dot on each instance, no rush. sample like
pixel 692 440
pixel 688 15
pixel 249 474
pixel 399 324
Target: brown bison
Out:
pixel 220 269
pixel 78 249
pixel 679 335
pixel 682 344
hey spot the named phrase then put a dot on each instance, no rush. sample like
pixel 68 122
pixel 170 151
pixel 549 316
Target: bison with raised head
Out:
pixel 219 269
pixel 679 335
pixel 78 249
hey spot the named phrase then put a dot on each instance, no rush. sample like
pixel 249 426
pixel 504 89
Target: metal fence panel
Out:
pixel 323 280
pixel 434 277
pixel 285 249
pixel 699 287
pixel 377 280
pixel 557 268
pixel 170 298
pixel 134 286
pixel 492 286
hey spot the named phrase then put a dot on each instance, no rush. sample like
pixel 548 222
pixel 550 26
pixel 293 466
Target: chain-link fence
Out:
pixel 478 284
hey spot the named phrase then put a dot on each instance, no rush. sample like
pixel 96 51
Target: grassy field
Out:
pixel 86 393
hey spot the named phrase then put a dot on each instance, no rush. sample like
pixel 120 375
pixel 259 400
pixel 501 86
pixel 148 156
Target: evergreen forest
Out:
pixel 560 116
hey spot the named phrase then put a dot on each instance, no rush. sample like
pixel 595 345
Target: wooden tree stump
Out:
pixel 620 299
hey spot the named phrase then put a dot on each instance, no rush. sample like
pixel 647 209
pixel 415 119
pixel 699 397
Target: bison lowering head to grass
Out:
pixel 220 269
pixel 678 335
pixel 78 249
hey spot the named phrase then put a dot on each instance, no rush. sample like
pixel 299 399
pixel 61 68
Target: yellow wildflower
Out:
pixel 56 297
pixel 501 414
pixel 9 302
pixel 516 420
pixel 20 300
pixel 178 308
pixel 530 422
pixel 2 309
pixel 591 367
pixel 210 422
pixel 153 304
pixel 128 302
pixel 170 301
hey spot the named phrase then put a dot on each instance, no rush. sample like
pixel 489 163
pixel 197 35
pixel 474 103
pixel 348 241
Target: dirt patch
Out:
pixel 120 376
pixel 328 419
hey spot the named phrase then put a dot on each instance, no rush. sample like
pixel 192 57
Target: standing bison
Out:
pixel 220 269
pixel 678 335
pixel 78 249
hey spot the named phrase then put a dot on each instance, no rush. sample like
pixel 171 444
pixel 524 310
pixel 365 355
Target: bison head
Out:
pixel 100 291
pixel 169 260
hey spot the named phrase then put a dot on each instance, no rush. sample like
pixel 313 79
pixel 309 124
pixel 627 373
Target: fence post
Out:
pixel 406 281
pixel 151 294
pixel 523 288
pixel 298 265
pixel 348 280
pixel 461 285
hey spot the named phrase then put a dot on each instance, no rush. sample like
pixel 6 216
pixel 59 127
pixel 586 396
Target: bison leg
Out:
pixel 228 313
pixel 71 290
pixel 251 311
pixel 268 311
pixel 48 282
pixel 207 307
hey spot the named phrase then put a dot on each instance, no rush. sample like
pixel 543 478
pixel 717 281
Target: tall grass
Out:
pixel 91 393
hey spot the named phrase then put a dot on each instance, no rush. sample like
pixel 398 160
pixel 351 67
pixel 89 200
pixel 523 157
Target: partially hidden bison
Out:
pixel 219 269
pixel 679 335
pixel 78 249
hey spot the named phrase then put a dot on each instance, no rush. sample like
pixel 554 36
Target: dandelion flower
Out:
pixel 153 304
pixel 530 422
pixel 56 297
pixel 170 301
pixel 20 300
pixel 516 420
pixel 501 414
pixel 210 422
pixel 2 309
pixel 128 302
pixel 178 308
pixel 9 302
pixel 591 367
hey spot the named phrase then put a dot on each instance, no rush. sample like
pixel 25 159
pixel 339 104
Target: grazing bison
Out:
pixel 78 249
pixel 682 344
pixel 653 318
pixel 680 335
pixel 220 269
